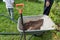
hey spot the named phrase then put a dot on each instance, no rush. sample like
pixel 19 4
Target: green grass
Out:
pixel 30 8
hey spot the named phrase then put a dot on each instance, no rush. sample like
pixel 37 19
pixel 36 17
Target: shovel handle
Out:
pixel 20 5
pixel 20 10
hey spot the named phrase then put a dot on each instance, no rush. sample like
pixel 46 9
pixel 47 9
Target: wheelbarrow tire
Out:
pixel 39 35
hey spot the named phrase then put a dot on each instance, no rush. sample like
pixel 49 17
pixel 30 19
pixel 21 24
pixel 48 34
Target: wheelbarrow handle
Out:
pixel 20 10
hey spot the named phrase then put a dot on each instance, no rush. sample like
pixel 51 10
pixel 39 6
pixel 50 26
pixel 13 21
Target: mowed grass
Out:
pixel 30 8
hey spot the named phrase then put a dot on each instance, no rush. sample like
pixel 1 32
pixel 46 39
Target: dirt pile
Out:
pixel 33 25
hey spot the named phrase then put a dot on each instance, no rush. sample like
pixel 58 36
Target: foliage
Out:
pixel 55 12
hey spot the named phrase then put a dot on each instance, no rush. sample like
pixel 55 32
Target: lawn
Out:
pixel 30 8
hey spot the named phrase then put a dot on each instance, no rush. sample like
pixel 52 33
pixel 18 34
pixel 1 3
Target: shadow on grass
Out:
pixel 45 36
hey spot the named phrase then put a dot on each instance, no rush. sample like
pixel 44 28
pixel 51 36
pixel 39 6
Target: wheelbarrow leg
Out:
pixel 21 37
pixel 30 37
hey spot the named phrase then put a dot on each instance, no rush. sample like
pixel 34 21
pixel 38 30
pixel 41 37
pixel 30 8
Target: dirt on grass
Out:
pixel 58 25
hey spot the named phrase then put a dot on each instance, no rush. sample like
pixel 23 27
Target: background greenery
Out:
pixel 32 7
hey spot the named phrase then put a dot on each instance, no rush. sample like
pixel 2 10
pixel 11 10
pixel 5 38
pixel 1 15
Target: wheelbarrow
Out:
pixel 47 25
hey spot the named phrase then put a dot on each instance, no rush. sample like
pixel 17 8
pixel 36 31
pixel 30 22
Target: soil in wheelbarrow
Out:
pixel 33 25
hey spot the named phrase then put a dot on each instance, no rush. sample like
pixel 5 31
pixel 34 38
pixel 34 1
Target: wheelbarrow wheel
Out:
pixel 39 34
